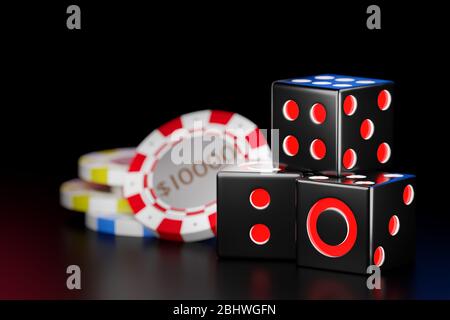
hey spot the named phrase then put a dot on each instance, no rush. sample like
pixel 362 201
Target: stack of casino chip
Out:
pixel 98 193
pixel 161 189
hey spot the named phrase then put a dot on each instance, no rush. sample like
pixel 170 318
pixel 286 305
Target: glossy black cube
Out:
pixel 244 224
pixel 349 223
pixel 334 124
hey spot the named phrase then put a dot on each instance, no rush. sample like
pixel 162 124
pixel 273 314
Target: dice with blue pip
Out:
pixel 334 124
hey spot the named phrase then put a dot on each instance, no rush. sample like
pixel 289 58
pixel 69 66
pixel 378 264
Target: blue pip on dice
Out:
pixel 332 201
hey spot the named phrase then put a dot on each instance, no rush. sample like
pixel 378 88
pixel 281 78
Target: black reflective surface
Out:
pixel 41 239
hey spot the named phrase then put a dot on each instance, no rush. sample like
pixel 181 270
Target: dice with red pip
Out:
pixel 332 206
pixel 257 208
pixel 334 124
pixel 351 222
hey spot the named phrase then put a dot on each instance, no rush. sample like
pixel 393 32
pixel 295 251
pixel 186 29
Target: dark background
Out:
pixel 133 67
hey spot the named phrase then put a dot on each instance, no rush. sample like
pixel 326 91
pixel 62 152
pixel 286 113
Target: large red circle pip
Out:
pixel 333 251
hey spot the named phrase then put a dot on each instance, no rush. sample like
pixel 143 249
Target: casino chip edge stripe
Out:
pixel 116 224
pixel 99 167
pixel 81 196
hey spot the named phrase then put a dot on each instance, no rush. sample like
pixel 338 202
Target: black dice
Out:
pixel 256 213
pixel 333 124
pixel 349 223
pixel 332 206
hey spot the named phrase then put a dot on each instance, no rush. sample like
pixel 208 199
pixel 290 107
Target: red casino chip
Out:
pixel 176 198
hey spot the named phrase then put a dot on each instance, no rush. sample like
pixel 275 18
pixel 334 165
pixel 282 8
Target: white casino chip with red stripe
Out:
pixel 176 198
